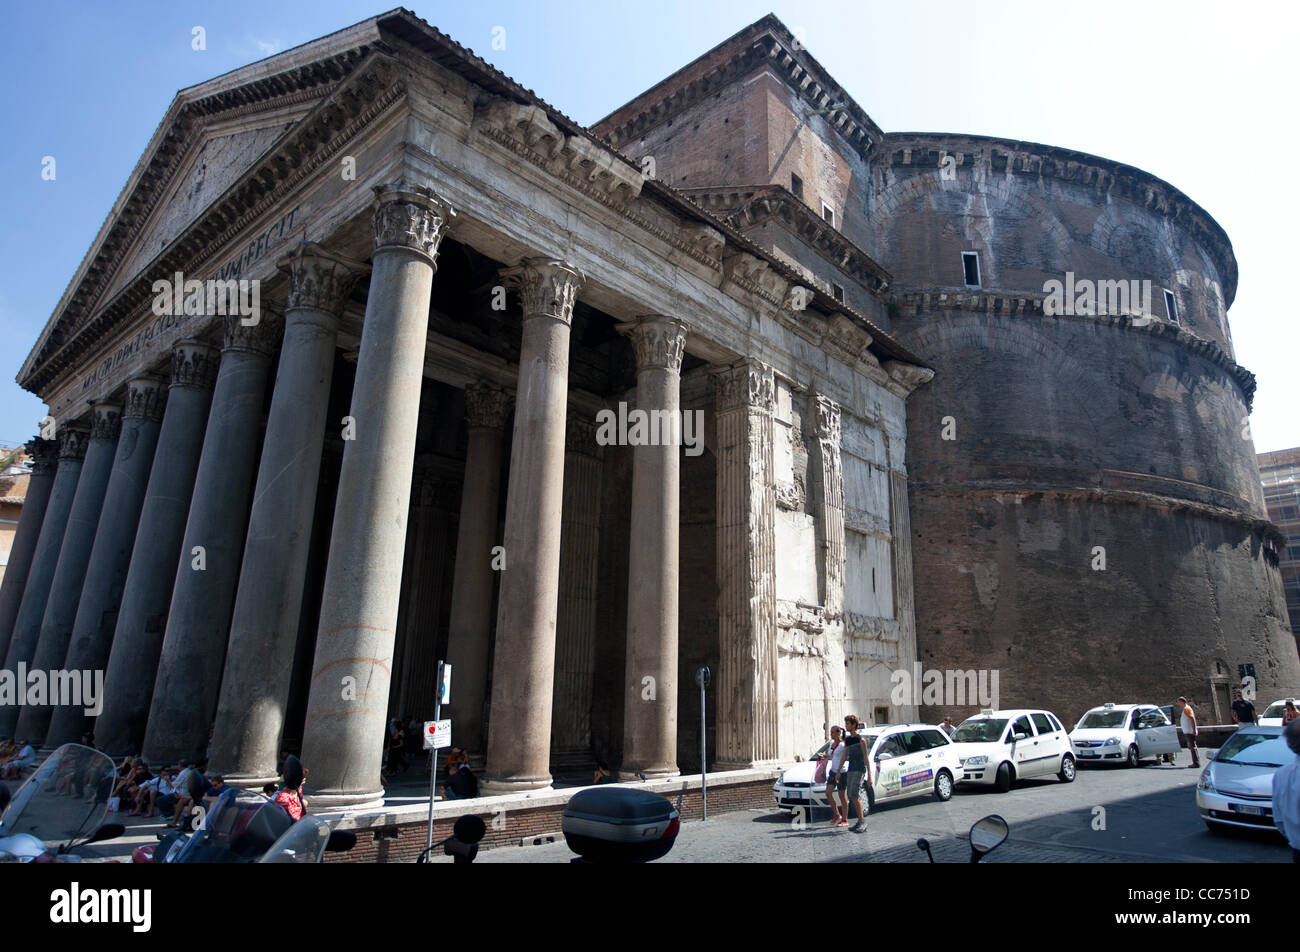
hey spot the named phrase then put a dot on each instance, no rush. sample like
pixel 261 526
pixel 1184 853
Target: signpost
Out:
pixel 437 735
pixel 702 679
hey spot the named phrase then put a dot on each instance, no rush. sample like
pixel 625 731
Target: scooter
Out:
pixel 60 808
pixel 986 835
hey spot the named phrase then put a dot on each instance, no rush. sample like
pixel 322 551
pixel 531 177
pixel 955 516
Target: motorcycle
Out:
pixel 60 808
pixel 986 835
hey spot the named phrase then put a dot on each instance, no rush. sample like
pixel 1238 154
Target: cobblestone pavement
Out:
pixel 1107 815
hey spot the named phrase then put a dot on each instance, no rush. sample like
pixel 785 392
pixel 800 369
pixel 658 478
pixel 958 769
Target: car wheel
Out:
pixel 1067 769
pixel 943 786
pixel 1003 779
pixel 1133 757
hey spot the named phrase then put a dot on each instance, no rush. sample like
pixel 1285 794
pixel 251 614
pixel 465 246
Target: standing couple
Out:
pixel 849 768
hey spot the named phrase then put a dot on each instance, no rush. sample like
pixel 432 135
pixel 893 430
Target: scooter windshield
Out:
pixel 240 828
pixel 304 842
pixel 66 800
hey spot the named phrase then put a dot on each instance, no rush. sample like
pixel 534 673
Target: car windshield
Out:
pixel 1103 719
pixel 980 730
pixel 1254 750
pixel 1275 710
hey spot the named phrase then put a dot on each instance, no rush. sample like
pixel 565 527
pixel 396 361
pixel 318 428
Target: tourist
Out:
pixel 1187 724
pixel 858 772
pixel 1243 712
pixel 835 775
pixel 461 785
pixel 290 795
pixel 1286 792
pixel 603 774
pixel 24 758
pixel 947 725
pixel 1289 713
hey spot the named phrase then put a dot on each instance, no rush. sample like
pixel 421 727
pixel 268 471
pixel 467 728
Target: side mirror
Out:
pixel 1018 736
pixel 884 755
pixel 987 835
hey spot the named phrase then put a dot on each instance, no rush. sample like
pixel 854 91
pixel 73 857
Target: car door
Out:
pixel 918 774
pixel 1051 742
pixel 891 759
pixel 1159 736
pixel 1024 753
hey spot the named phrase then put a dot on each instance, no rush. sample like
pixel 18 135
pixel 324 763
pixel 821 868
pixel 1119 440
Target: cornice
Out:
pixel 370 84
pixel 1031 306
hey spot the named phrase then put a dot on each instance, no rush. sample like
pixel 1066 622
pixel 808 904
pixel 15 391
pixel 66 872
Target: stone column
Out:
pixel 194 645
pixel 518 755
pixel 470 633
pixel 74 556
pixel 352 669
pixel 73 438
pixel 575 623
pixel 101 595
pixel 650 686
pixel 39 484
pixel 142 619
pixel 747 677
pixel 830 507
pixel 264 629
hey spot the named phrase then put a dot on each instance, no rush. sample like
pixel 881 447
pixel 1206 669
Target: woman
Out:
pixel 833 775
pixel 290 795
pixel 1290 713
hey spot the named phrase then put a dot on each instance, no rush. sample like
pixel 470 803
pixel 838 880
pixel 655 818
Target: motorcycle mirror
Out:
pixel 924 846
pixel 109 831
pixel 469 829
pixel 341 841
pixel 987 835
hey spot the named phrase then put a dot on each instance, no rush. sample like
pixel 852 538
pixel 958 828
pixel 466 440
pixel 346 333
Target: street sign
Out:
pixel 444 693
pixel 437 734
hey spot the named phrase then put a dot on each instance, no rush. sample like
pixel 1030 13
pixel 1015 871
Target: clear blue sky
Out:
pixel 1200 94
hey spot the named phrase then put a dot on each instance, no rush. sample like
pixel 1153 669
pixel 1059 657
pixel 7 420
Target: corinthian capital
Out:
pixel 45 455
pixel 547 287
pixel 828 419
pixel 260 338
pixel 194 365
pixel 105 420
pixel 486 406
pixel 145 397
pixel 318 279
pixel 73 438
pixel 410 216
pixel 747 385
pixel 659 342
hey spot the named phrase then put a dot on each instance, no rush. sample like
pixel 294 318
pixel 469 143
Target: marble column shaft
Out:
pixel 576 625
pixel 101 594
pixel 73 438
pixel 519 737
pixel 746 682
pixel 198 622
pixel 142 619
pixel 352 669
pixel 650 685
pixel 470 632
pixel 23 549
pixel 264 628
pixel 830 506
pixel 74 558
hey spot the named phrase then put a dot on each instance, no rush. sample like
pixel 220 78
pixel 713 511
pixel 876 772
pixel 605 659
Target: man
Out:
pixel 855 752
pixel 461 785
pixel 25 757
pixel 1286 793
pixel 947 726
pixel 1243 712
pixel 1187 724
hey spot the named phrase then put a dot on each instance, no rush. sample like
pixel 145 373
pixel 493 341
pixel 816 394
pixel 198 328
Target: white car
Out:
pixel 1236 787
pixel 1124 733
pixel 907 760
pixel 1272 716
pixel 998 748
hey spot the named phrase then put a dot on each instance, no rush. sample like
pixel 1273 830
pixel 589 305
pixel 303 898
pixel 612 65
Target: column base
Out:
pixel 505 788
pixel 250 782
pixel 330 801
pixel 743 765
pixel 648 773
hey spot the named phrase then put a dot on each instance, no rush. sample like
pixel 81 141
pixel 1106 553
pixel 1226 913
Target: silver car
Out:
pixel 1236 787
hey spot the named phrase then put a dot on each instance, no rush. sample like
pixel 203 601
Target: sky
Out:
pixel 1198 94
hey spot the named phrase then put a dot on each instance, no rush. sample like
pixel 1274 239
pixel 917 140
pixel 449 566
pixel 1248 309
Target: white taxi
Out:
pixel 1000 747
pixel 907 760
pixel 1124 733
pixel 1272 716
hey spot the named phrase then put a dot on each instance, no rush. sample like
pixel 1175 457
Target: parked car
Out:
pixel 1236 787
pixel 998 748
pixel 907 760
pixel 1124 733
pixel 1272 716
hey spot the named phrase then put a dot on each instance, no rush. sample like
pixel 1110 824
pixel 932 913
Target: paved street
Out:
pixel 1150 816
